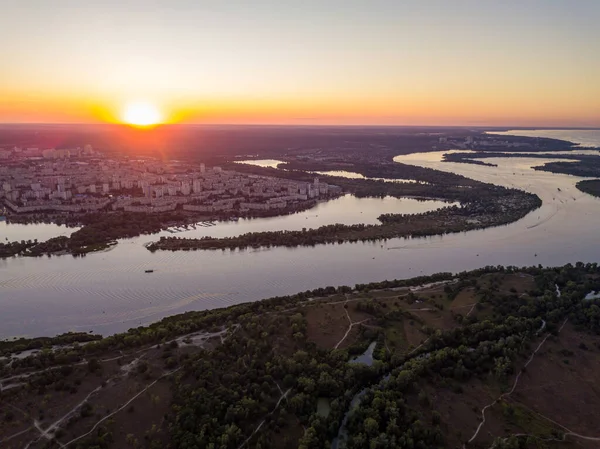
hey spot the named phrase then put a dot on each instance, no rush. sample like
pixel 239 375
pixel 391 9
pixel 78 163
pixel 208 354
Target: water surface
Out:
pixel 367 356
pixel 42 231
pixel 346 209
pixel 109 292
pixel 586 138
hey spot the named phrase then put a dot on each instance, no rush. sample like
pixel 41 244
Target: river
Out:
pixel 583 137
pixel 346 209
pixel 109 292
pixel 14 232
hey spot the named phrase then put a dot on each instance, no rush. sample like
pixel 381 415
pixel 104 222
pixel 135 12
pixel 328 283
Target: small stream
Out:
pixel 339 442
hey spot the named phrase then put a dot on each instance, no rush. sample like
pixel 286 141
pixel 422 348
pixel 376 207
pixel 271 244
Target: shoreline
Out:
pixel 439 222
pixel 192 219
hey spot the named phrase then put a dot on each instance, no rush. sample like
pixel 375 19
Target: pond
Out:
pixel 366 357
pixel 592 295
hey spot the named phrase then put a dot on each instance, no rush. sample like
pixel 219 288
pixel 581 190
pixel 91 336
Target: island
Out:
pixel 481 205
pixel 590 186
pixel 109 196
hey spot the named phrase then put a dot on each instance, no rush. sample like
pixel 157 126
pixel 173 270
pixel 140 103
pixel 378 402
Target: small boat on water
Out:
pixel 149 271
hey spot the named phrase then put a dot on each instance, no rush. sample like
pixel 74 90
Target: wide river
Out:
pixel 109 292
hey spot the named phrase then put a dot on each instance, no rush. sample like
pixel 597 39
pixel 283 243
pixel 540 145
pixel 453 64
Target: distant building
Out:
pixel 197 186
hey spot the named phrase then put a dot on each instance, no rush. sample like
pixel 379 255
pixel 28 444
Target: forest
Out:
pixel 272 375
pixel 591 186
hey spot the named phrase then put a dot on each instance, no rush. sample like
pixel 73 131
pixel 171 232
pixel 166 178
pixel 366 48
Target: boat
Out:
pixel 149 271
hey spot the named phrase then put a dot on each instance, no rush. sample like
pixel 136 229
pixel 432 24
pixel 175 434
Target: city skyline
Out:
pixel 344 63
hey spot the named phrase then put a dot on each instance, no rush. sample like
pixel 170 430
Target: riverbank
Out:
pixel 42 296
pixel 482 206
pixel 576 164
pixel 446 336
pixel 99 231
pixel 471 216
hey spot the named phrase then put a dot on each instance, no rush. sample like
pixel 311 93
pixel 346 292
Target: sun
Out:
pixel 141 114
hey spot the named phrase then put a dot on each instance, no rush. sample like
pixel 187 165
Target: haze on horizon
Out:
pixel 416 62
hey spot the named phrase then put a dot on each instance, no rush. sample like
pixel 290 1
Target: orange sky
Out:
pixel 353 62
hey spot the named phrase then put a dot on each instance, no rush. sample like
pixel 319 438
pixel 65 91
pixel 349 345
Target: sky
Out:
pixel 397 62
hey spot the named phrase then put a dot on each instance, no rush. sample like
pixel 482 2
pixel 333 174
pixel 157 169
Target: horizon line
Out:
pixel 160 125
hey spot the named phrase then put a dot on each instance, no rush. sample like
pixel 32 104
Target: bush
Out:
pixel 94 365
pixel 142 367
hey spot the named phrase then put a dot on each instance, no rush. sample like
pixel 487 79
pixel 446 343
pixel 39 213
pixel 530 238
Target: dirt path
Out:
pixel 568 432
pixel 48 433
pixel 471 309
pixel 502 396
pixel 15 435
pixel 349 328
pixel 120 408
pixel 195 339
pixel 559 440
pixel 281 398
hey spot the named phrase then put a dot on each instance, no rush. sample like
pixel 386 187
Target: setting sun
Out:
pixel 141 114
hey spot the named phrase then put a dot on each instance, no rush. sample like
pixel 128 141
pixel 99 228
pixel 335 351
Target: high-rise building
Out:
pixel 197 186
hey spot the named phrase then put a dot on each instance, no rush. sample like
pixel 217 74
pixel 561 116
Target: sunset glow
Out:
pixel 379 62
pixel 141 114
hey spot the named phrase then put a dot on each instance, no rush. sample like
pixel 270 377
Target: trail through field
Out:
pixel 502 396
pixel 352 324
